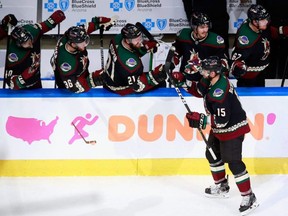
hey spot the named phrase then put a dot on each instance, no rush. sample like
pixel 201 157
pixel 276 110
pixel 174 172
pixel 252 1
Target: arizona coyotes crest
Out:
pixel 266 44
pixel 84 61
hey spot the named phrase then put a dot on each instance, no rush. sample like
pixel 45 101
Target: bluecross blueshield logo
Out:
pixel 116 5
pixel 129 4
pixel 161 23
pixel 64 4
pixel 238 23
pixel 81 22
pixel 149 24
pixel 50 5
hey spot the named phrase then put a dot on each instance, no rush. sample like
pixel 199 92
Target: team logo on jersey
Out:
pixel 218 92
pixel 161 23
pixel 12 57
pixel 243 40
pixel 220 40
pixel 266 44
pixel 129 4
pixel 64 4
pixel 131 62
pixel 65 67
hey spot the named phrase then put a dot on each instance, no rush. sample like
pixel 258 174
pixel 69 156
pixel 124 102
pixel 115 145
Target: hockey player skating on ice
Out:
pixel 70 60
pixel 251 51
pixel 124 68
pixel 9 19
pixel 23 60
pixel 195 44
pixel 228 127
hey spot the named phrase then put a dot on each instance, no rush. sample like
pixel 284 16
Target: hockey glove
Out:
pixel 156 76
pixel 179 79
pixel 56 18
pixel 96 78
pixel 151 46
pixel 197 120
pixel 9 19
pixel 238 69
pixel 105 21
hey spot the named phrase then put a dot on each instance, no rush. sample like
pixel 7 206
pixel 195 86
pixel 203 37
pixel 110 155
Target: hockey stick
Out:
pixel 92 142
pixel 284 72
pixel 102 28
pixel 102 46
pixel 5 74
pixel 167 70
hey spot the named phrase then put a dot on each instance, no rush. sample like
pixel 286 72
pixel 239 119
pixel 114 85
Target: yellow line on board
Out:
pixel 126 167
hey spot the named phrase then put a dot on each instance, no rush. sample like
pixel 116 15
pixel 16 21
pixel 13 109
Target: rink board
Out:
pixel 140 134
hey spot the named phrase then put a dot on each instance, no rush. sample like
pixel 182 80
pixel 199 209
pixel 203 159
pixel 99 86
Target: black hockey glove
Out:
pixel 197 120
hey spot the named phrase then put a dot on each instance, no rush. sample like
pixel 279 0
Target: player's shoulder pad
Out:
pixel 245 36
pixel 220 90
pixel 215 40
pixel 184 34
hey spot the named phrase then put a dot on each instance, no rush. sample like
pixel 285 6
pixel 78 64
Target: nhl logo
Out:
pixel 64 4
pixel 161 23
pixel 129 4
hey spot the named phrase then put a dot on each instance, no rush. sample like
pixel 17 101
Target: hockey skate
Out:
pixel 218 190
pixel 248 204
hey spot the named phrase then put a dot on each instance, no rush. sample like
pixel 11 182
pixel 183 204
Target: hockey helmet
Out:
pixel 21 35
pixel 198 19
pixel 130 31
pixel 212 63
pixel 77 34
pixel 257 12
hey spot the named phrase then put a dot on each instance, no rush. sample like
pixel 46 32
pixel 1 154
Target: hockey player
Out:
pixel 70 60
pixel 8 19
pixel 124 68
pixel 251 51
pixel 197 43
pixel 228 126
pixel 23 64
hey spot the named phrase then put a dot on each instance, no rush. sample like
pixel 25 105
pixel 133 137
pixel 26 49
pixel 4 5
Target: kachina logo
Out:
pixel 64 4
pixel 50 5
pixel 129 4
pixel 116 5
pixel 161 23
pixel 149 24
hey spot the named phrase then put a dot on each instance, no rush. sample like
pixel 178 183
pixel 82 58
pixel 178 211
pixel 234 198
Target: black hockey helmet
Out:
pixel 257 12
pixel 198 18
pixel 77 34
pixel 212 63
pixel 21 35
pixel 130 31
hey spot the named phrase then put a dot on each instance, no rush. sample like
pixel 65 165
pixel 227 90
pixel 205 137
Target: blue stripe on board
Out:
pixel 161 92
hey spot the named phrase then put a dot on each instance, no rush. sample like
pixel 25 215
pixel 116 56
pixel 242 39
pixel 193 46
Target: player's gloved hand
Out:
pixel 9 19
pixel 96 78
pixel 158 74
pixel 283 30
pixel 103 21
pixel 238 69
pixel 179 78
pixel 197 120
pixel 56 18
pixel 151 46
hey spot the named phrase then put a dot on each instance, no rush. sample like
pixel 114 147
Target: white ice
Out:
pixel 134 196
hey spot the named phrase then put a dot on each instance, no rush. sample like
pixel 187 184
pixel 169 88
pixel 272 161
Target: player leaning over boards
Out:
pixel 228 127
pixel 23 59
pixel 124 68
pixel 70 60
pixel 195 44
pixel 251 51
